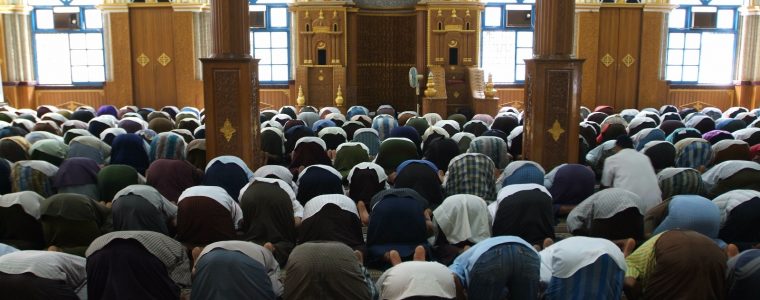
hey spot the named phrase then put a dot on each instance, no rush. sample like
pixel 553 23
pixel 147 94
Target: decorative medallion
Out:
pixel 556 131
pixel 607 60
pixel 628 60
pixel 321 45
pixel 164 59
pixel 453 43
pixel 456 94
pixel 228 130
pixel 698 105
pixel 71 105
pixel 143 60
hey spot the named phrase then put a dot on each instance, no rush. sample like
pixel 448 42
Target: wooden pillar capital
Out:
pixel 230 29
pixel 554 28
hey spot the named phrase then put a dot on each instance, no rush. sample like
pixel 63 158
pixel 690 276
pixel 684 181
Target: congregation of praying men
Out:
pixel 121 203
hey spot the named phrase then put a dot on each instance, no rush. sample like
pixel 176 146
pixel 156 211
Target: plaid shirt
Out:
pixel 471 173
pixel 494 147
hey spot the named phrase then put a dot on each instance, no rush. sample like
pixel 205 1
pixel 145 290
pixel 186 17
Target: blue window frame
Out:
pixel 67 42
pixel 506 39
pixel 270 39
pixel 702 41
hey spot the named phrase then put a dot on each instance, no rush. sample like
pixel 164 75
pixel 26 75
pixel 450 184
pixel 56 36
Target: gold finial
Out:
pixel 490 91
pixel 440 13
pixel 306 16
pixel 468 13
pixel 335 14
pixel 430 91
pixel 339 98
pixel 453 13
pixel 321 15
pixel 301 100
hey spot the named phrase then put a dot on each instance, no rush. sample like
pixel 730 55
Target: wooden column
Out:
pixel 231 87
pixel 748 85
pixel 2 97
pixel 553 88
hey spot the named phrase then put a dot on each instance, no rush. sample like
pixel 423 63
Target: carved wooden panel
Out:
pixel 514 97
pixel 274 98
pixel 701 98
pixel 68 99
pixel 556 117
pixel 226 91
pixel 551 111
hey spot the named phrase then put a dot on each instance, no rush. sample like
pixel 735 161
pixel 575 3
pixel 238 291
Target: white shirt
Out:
pixel 632 171
pixel 567 256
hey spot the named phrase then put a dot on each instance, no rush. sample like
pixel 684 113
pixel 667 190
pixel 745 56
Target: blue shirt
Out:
pixel 465 261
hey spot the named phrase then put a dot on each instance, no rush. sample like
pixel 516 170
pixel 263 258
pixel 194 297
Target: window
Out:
pixel 702 41
pixel 270 39
pixel 507 39
pixel 68 42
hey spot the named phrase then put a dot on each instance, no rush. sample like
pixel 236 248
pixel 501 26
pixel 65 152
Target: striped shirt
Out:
pixel 641 262
pixel 680 181
pixel 602 205
pixel 49 265
pixel 693 153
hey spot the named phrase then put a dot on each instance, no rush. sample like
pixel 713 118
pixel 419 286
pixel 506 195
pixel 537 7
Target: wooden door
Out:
pixel 152 52
pixel 629 48
pixel 609 23
pixel 385 51
pixel 619 49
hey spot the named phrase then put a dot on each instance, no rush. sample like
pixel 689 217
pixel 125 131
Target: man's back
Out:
pixel 631 170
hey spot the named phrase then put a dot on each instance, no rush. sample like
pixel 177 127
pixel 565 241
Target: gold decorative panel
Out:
pixel 607 60
pixel 164 59
pixel 556 131
pixel 143 60
pixel 228 130
pixel 628 60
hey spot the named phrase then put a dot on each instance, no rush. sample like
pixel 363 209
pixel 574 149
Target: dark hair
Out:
pixel 624 141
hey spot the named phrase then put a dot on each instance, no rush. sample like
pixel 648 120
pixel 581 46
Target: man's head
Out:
pixel 623 142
